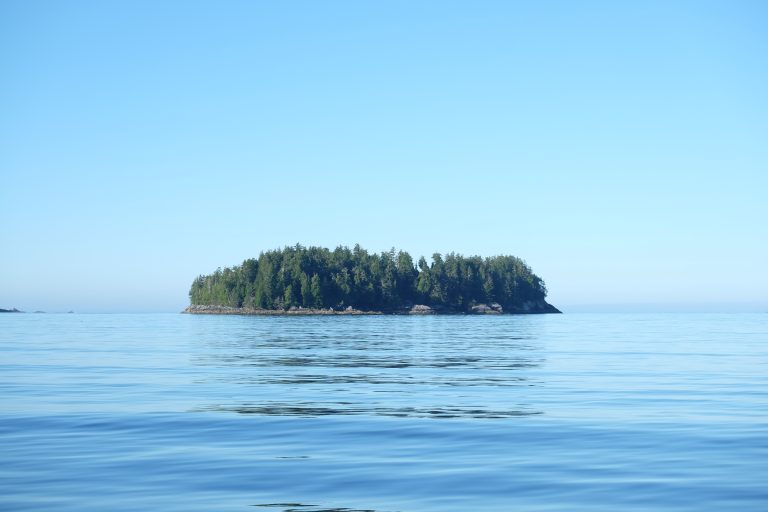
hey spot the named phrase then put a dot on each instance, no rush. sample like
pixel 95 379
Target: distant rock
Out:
pixel 14 310
pixel 421 309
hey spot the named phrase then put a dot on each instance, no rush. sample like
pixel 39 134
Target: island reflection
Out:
pixel 437 368
pixel 300 507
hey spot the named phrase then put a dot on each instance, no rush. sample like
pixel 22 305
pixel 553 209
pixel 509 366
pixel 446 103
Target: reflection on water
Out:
pixel 328 409
pixel 299 507
pixel 397 367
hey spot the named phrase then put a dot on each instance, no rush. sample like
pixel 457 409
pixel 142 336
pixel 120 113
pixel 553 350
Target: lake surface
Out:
pixel 383 414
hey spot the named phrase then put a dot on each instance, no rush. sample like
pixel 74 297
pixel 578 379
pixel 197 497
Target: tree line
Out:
pixel 315 277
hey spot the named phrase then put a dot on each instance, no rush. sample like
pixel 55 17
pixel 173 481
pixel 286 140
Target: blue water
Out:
pixel 493 413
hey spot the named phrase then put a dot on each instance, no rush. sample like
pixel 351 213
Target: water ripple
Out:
pixel 582 413
pixel 299 507
pixel 316 409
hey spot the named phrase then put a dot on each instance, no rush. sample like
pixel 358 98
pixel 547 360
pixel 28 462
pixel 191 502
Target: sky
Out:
pixel 619 148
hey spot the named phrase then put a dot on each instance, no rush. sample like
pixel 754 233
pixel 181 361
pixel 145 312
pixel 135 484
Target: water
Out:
pixel 384 414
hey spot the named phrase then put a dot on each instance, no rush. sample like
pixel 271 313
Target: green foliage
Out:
pixel 315 277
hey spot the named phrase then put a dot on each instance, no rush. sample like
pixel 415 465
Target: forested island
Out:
pixel 316 280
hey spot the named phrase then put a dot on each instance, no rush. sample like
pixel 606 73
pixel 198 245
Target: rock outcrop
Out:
pixel 487 309
pixel 535 307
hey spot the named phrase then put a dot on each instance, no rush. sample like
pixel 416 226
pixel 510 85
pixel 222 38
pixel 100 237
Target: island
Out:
pixel 302 280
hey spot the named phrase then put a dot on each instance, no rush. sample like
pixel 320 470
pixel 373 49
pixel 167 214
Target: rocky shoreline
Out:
pixel 228 310
pixel 531 307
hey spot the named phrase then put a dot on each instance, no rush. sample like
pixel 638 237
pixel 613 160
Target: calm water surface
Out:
pixel 384 414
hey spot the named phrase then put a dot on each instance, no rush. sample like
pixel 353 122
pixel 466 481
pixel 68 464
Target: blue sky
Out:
pixel 620 148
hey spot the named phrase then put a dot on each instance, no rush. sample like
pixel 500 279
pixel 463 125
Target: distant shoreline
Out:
pixel 539 307
pixel 228 310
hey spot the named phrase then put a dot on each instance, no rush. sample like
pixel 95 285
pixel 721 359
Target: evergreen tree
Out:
pixel 314 277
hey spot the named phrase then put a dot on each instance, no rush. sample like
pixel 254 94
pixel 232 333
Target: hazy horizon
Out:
pixel 567 308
